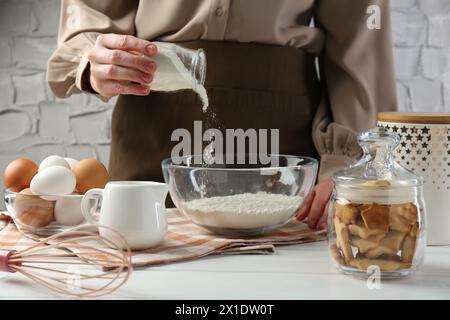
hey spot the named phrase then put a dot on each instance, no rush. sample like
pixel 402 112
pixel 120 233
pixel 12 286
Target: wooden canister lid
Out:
pixel 415 117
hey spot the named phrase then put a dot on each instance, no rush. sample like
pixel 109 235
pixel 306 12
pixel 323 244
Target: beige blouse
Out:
pixel 356 62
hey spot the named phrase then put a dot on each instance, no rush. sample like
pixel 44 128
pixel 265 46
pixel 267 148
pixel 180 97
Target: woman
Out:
pixel 261 74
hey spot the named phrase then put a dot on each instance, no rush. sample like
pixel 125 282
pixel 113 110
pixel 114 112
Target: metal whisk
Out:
pixel 78 262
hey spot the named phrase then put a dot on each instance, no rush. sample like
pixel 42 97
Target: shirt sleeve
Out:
pixel 357 75
pixel 81 21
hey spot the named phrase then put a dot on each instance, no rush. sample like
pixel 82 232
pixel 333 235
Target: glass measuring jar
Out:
pixel 377 215
pixel 178 68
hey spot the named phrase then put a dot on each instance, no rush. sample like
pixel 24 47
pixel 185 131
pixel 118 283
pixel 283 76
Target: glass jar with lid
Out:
pixel 377 212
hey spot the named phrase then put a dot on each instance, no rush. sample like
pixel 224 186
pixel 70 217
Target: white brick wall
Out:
pixel 34 123
pixel 421 33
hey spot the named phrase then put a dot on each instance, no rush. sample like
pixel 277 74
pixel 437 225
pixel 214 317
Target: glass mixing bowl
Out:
pixel 44 214
pixel 241 199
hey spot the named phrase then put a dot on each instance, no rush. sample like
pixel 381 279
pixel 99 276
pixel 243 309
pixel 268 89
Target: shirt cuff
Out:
pixel 80 78
pixel 329 164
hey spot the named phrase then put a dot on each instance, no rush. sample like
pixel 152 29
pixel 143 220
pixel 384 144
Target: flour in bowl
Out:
pixel 243 211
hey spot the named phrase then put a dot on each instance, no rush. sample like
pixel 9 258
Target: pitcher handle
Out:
pixel 86 207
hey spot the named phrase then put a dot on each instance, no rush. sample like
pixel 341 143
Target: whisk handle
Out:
pixel 4 261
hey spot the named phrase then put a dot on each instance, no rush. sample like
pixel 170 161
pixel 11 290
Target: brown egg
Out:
pixel 18 174
pixel 32 210
pixel 90 173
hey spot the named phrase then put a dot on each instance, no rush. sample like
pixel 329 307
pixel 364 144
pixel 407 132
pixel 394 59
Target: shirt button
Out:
pixel 219 12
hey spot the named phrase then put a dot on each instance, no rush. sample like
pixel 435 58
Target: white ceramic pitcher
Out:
pixel 134 208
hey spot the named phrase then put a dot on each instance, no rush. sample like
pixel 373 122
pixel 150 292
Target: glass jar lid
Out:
pixel 376 177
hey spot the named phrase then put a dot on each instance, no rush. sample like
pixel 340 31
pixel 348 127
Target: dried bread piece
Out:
pixel 398 223
pixel 360 230
pixel 407 211
pixel 363 206
pixel 415 230
pixel 384 265
pixel 409 248
pixel 336 254
pixel 388 246
pixel 378 252
pixel 376 217
pixel 393 240
pixel 403 217
pixel 347 213
pixel 365 245
pixel 343 239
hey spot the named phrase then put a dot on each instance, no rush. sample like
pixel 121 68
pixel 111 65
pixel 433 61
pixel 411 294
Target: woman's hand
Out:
pixel 316 205
pixel 115 60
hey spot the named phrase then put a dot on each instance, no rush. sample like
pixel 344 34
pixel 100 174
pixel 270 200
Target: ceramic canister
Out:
pixel 425 150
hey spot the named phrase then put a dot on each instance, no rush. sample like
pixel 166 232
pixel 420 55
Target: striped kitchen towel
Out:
pixel 185 241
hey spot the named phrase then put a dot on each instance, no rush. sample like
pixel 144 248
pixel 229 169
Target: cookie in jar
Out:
pixel 377 212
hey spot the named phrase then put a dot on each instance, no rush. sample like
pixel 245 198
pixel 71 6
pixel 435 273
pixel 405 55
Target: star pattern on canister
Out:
pixel 423 147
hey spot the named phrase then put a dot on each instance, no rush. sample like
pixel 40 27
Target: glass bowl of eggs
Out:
pixel 46 199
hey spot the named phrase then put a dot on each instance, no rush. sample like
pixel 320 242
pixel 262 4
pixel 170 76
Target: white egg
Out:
pixel 72 162
pixel 53 181
pixel 68 211
pixel 53 161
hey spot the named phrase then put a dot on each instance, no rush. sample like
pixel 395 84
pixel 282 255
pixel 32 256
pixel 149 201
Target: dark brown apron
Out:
pixel 249 86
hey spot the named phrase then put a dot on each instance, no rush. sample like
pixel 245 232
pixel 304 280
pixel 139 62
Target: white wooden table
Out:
pixel 295 272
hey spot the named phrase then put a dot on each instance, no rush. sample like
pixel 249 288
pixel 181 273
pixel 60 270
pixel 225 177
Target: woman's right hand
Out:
pixel 116 60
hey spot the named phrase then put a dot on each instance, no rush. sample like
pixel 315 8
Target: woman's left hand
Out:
pixel 315 207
